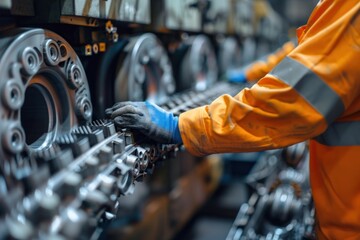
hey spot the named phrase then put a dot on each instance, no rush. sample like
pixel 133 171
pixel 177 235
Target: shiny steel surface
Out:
pixel 144 71
pixel 38 104
pixel 38 94
pixel 199 68
pixel 230 54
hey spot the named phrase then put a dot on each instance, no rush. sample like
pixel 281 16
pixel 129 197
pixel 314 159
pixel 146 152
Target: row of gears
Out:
pixel 72 189
pixel 45 91
pixel 280 205
pixel 61 174
pixel 67 190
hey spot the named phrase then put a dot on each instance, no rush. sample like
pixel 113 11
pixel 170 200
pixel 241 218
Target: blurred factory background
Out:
pixel 67 172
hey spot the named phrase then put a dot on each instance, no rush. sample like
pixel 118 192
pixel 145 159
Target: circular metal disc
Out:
pixel 39 100
pixel 145 72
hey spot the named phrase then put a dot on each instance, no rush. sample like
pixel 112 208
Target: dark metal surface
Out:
pixel 280 206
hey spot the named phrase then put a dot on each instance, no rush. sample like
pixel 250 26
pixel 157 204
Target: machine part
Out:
pixel 283 205
pixel 269 27
pixel 125 10
pixel 198 68
pixel 73 189
pixel 37 105
pixel 230 55
pixel 52 52
pixel 13 94
pixel 244 14
pixel 144 71
pixel 30 61
pixel 187 100
pixel 179 15
pixel 35 95
pixel 125 176
pixel 104 80
pixel 216 17
pixel 108 184
pixel 75 221
pixel 105 154
pixel 47 206
pixel 295 153
pixel 143 158
pixel 269 23
pixel 19 229
pixel 136 11
pixel 280 206
pixel 74 76
pixel 84 108
pixel 135 69
pixel 13 137
pixel 249 50
pixel 134 163
pixel 93 201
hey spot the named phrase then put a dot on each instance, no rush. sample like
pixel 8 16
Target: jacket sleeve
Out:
pixel 260 68
pixel 269 115
pixel 316 84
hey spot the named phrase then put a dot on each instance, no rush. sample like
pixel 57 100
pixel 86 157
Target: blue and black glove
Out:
pixel 149 119
pixel 236 76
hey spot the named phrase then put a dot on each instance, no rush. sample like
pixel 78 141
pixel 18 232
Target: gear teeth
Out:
pixel 99 123
pixel 66 139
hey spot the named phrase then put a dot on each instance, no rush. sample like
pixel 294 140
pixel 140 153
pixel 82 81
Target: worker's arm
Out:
pixel 269 115
pixel 303 94
pixel 258 69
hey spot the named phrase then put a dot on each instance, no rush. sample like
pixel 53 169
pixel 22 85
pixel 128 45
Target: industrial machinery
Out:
pixel 65 170
pixel 280 205
pixel 137 68
pixel 72 189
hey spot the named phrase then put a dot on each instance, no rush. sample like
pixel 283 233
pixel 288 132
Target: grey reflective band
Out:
pixel 311 87
pixel 341 134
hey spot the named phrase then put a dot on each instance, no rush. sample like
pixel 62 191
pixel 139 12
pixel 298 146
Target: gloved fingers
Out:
pixel 108 112
pixel 122 104
pixel 118 105
pixel 128 121
pixel 128 109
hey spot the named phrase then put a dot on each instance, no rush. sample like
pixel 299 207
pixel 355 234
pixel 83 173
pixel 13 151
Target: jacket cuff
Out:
pixel 192 130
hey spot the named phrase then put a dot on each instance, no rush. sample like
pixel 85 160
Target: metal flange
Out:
pixel 37 102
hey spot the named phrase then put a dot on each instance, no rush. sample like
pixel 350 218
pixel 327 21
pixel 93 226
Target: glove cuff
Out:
pixel 236 76
pixel 176 136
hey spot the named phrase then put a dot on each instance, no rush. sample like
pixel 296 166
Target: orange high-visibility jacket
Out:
pixel 314 93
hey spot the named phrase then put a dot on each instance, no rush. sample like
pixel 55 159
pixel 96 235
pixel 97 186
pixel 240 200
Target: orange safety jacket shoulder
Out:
pixel 314 93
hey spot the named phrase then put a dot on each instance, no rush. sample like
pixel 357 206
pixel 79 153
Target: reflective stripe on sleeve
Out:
pixel 311 87
pixel 341 134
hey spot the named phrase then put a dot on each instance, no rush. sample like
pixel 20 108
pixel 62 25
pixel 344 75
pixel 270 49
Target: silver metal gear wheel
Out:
pixel 199 69
pixel 144 72
pixel 44 92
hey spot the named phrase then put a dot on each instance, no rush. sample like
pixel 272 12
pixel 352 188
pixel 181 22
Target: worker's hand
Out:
pixel 236 76
pixel 149 119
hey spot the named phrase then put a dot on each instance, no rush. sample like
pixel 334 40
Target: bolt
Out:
pixel 84 108
pixel 13 94
pixel 75 78
pixel 51 52
pixel 95 48
pixel 29 58
pixel 13 138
